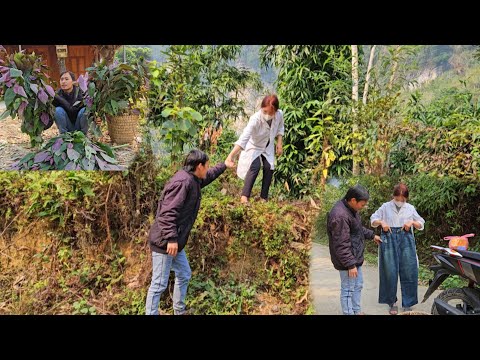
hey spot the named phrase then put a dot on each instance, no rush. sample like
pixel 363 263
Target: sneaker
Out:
pixel 186 312
pixel 408 308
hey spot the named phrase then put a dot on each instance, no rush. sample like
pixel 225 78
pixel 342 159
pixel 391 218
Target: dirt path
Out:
pixel 325 287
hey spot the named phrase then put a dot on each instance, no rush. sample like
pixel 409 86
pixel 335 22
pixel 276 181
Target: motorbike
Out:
pixel 455 260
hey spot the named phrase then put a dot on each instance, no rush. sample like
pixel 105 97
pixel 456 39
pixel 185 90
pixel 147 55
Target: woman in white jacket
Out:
pixel 257 147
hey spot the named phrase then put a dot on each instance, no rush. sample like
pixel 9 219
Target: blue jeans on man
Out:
pixel 65 125
pixel 351 292
pixel 162 264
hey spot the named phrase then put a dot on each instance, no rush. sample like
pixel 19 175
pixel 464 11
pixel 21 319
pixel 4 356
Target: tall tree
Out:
pixel 356 168
pixel 379 116
pixel 367 77
pixel 314 82
pixel 203 78
pixel 395 60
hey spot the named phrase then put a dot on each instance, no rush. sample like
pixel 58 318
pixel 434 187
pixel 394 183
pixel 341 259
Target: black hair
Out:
pixel 358 192
pixel 194 158
pixel 72 74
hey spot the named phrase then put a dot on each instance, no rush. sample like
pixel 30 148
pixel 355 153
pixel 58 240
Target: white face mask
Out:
pixel 399 203
pixel 267 117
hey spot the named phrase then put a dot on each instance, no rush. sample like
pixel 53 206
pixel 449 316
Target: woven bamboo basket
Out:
pixel 123 128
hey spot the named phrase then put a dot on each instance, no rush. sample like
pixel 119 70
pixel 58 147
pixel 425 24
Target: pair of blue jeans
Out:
pixel 161 266
pixel 398 257
pixel 351 292
pixel 65 125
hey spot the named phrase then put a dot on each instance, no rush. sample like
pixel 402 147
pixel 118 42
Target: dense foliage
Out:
pixel 28 93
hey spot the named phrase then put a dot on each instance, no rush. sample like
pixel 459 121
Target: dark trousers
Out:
pixel 252 176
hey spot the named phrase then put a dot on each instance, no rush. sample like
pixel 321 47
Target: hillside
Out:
pixel 432 69
pixel 440 67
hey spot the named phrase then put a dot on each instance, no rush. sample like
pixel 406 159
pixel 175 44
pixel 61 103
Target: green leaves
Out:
pixel 103 147
pixel 167 112
pixel 314 87
pixel 108 158
pixel 9 97
pixel 89 151
pixel 91 89
pixel 5 114
pixel 201 78
pixel 27 80
pixel 196 116
pixel 70 152
pixel 440 135
pixel 114 106
pixel 15 73
pixel 180 127
pixel 114 89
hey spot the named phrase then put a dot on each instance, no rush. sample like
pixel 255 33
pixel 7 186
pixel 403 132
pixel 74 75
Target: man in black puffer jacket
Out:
pixel 69 107
pixel 176 213
pixel 347 236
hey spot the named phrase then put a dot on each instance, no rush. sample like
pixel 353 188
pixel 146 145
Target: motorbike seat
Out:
pixel 470 254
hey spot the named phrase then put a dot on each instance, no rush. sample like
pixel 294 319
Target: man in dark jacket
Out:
pixel 69 107
pixel 176 213
pixel 346 236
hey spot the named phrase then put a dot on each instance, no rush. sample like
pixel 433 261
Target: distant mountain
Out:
pixel 435 60
pixel 433 68
pixel 440 67
pixel 249 57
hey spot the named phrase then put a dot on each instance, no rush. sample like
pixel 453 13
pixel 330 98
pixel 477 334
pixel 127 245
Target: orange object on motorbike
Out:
pixel 458 242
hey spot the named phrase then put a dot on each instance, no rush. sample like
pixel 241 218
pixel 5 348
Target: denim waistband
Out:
pixel 398 230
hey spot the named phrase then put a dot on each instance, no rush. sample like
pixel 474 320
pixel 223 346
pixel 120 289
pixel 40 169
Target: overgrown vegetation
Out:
pixel 312 83
pixel 75 242
pixel 198 79
pixel 251 259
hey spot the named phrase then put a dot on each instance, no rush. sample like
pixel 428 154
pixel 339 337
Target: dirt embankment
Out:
pixel 75 242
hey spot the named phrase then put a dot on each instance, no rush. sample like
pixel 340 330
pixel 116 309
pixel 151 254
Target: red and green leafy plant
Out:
pixel 70 151
pixel 27 93
pixel 114 89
